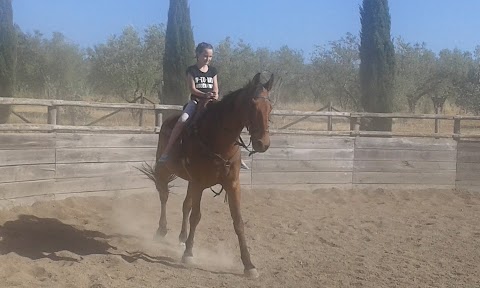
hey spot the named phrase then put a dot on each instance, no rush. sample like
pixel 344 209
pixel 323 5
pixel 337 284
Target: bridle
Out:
pixel 240 141
pixel 266 98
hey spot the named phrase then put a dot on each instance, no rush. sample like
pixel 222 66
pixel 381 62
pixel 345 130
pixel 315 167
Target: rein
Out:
pixel 241 143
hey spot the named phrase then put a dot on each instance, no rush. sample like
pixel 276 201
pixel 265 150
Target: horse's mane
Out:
pixel 227 102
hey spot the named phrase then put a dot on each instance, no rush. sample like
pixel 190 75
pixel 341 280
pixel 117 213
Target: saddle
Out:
pixel 191 125
pixel 191 130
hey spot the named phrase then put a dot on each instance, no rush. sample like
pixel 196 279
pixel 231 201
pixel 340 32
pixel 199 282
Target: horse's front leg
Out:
pixel 234 197
pixel 194 192
pixel 187 207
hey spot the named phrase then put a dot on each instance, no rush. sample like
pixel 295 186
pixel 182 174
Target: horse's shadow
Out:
pixel 35 238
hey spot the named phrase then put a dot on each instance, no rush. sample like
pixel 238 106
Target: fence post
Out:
pixel 52 115
pixel 329 118
pixel 158 117
pixel 142 101
pixel 456 128
pixel 354 126
pixel 437 121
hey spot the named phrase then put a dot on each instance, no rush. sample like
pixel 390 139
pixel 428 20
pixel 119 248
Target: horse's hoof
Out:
pixel 160 235
pixel 252 273
pixel 182 238
pixel 187 260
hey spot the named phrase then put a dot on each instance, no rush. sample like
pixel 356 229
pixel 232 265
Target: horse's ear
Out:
pixel 269 84
pixel 256 79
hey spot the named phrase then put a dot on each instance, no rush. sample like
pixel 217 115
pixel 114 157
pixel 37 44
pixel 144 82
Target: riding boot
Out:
pixel 173 138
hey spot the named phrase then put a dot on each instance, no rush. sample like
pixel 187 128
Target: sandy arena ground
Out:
pixel 322 238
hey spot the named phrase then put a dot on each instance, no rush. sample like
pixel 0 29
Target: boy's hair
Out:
pixel 202 46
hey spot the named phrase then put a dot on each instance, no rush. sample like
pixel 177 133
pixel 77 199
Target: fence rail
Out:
pixel 36 166
pixel 353 117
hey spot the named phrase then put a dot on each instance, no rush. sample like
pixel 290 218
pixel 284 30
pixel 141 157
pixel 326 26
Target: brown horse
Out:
pixel 208 154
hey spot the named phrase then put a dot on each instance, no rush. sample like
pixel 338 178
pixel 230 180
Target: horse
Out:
pixel 208 153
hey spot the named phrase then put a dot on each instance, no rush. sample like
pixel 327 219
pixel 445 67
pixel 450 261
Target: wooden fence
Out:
pixel 52 165
pixel 55 165
pixel 39 161
pixel 354 118
pixel 468 165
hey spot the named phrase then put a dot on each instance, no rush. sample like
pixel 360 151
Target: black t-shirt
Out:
pixel 203 81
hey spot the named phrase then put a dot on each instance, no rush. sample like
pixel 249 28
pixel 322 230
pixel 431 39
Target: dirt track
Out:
pixel 324 238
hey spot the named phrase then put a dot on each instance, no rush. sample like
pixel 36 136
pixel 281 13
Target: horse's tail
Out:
pixel 148 170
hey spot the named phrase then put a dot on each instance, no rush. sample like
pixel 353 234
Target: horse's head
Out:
pixel 258 115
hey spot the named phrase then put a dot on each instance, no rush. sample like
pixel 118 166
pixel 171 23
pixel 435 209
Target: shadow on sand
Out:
pixel 35 238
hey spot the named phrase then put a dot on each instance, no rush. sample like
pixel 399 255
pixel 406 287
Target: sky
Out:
pixel 299 24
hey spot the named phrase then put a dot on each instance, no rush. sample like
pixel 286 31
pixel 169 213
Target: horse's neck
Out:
pixel 224 128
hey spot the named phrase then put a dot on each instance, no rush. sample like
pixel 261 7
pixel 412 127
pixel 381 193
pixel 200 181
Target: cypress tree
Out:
pixel 7 56
pixel 377 66
pixel 179 53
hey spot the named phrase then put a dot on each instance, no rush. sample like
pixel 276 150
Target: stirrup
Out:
pixel 244 166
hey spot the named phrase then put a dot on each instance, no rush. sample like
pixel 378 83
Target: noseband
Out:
pixel 262 97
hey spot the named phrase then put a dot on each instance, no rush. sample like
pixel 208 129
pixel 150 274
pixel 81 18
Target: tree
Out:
pixel 179 53
pixel 128 65
pixel 239 61
pixel 469 96
pixel 50 68
pixel 223 60
pixel 377 66
pixel 31 63
pixel 452 72
pixel 64 70
pixel 7 56
pixel 153 51
pixel 288 65
pixel 415 73
pixel 334 76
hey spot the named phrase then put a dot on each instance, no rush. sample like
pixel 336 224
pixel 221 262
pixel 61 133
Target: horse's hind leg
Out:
pixel 163 191
pixel 187 207
pixel 194 192
pixel 234 195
